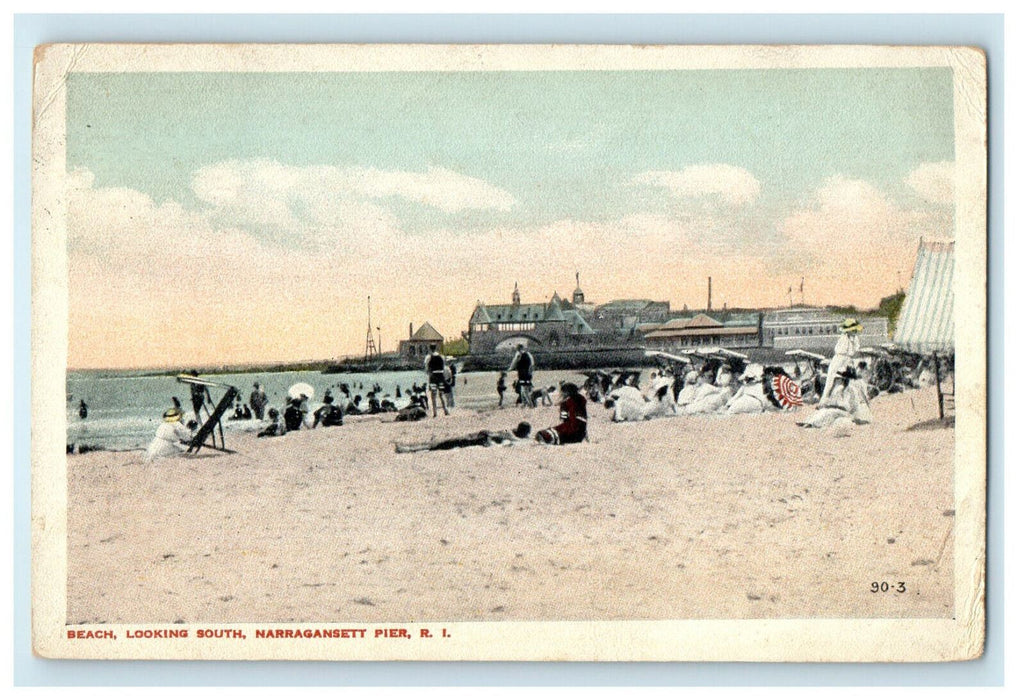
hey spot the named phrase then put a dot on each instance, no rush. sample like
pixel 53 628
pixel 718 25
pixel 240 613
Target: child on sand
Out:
pixel 501 388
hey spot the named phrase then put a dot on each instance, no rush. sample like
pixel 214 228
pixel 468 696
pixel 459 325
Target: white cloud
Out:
pixel 933 182
pixel 251 184
pixel 853 235
pixel 440 188
pixel 727 183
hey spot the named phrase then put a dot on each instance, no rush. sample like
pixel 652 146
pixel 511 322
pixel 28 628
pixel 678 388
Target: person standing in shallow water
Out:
pixel 258 400
pixel 83 410
pixel 199 396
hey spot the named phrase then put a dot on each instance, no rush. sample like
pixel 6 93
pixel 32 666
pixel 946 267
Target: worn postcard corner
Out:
pixel 509 352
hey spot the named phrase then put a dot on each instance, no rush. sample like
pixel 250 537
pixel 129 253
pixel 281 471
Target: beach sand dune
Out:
pixel 696 517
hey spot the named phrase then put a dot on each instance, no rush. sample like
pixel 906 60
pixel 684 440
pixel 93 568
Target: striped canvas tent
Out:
pixel 926 323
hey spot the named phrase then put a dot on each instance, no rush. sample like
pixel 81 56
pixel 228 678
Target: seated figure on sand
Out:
pixel 750 397
pixel 572 413
pixel 485 438
pixel 413 412
pixel 328 415
pixel 690 385
pixel 660 390
pixel 276 427
pixel 294 414
pixel 373 403
pixel 630 404
pixel 711 396
pixel 172 437
pixel 847 401
pixel 354 407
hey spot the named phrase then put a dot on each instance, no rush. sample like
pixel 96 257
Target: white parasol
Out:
pixel 297 390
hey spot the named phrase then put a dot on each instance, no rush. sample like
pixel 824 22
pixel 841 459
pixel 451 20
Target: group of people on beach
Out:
pixel 572 427
pixel 720 385
pixel 729 385
pixel 523 365
pixel 441 380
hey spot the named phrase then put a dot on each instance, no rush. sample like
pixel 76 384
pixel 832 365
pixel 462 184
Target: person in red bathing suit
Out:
pixel 573 413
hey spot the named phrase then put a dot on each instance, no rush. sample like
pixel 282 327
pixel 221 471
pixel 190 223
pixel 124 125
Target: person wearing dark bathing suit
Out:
pixel 434 365
pixel 523 364
pixel 485 438
pixel 573 413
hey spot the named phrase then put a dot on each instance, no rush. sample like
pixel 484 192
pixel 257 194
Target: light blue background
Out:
pixel 985 31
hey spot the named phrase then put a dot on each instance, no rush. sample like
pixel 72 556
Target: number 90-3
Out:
pixel 886 587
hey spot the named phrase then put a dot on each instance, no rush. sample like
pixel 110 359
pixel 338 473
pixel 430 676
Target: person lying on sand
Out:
pixel 485 438
pixel 573 413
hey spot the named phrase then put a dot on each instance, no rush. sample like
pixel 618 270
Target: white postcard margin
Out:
pixel 805 640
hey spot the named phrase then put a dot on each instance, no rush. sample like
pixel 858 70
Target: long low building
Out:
pixel 736 331
pixel 816 329
pixel 563 324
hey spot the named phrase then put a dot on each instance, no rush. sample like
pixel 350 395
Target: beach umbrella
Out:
pixel 297 390
pixel 786 393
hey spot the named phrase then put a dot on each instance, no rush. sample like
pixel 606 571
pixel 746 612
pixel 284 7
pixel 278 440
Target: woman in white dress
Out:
pixel 847 347
pixel 172 437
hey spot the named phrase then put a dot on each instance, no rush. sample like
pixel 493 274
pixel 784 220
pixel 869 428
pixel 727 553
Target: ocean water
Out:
pixel 124 411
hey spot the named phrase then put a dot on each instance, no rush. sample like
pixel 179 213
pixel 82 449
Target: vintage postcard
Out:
pixel 509 352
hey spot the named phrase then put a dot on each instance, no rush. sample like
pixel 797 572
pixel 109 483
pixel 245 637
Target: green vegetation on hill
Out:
pixel 890 307
pixel 456 347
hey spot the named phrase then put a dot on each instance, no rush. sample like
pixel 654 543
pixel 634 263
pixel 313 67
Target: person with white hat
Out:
pixel 690 385
pixel 750 397
pixel 847 346
pixel 172 437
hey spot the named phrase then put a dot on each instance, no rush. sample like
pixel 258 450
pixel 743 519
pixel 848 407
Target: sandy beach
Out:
pixel 687 517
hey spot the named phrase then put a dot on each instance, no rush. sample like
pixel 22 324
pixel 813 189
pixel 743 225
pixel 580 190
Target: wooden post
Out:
pixel 939 391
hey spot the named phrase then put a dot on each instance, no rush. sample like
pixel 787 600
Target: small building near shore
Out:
pixel 418 345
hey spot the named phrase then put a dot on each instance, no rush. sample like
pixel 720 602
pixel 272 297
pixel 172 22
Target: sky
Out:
pixel 221 218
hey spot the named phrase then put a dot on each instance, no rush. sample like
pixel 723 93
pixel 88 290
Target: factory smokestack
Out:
pixel 709 308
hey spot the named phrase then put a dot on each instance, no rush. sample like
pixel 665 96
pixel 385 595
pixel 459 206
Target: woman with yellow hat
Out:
pixel 847 347
pixel 172 437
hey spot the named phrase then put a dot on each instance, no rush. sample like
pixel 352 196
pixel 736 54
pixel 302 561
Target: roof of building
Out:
pixel 627 305
pixel 801 315
pixel 554 311
pixel 698 321
pixel 926 321
pixel 427 332
pixel 580 326
pixel 708 330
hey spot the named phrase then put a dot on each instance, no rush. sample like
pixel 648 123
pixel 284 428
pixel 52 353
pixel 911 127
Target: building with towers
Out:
pixel 559 323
